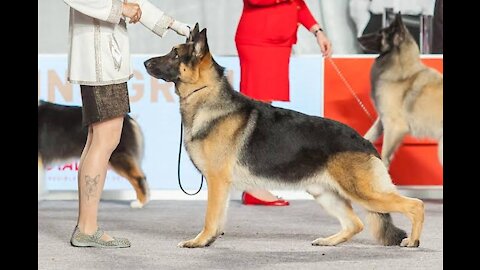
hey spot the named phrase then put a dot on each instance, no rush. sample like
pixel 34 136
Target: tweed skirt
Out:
pixel 104 102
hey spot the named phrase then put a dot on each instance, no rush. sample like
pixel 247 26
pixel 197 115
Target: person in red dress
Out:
pixel 265 35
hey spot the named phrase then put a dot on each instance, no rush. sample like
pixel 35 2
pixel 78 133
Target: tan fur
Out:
pixel 135 176
pixel 341 208
pixel 407 94
pixel 215 156
pixel 218 181
pixel 410 207
pixel 354 226
pixel 358 177
pixel 192 75
pixel 196 76
pixel 375 226
pixel 409 100
pixel 353 172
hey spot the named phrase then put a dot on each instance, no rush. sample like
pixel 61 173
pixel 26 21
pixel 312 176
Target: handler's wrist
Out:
pixel 316 31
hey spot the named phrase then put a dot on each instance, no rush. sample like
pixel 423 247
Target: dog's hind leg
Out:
pixel 394 132
pixel 129 167
pixel 393 202
pixel 366 181
pixel 340 208
pixel 375 131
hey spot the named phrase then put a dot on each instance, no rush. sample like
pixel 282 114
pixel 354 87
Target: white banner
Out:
pixel 155 107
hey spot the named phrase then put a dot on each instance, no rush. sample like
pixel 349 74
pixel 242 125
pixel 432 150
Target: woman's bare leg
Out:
pixel 103 138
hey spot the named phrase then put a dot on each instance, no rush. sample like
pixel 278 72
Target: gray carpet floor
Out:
pixel 255 237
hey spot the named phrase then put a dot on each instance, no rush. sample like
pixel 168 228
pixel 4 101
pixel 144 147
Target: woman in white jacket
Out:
pixel 99 60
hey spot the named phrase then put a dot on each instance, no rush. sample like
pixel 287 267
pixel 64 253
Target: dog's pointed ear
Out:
pixel 398 20
pixel 193 33
pixel 400 29
pixel 398 23
pixel 201 45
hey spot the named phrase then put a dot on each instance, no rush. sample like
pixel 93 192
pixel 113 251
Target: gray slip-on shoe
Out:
pixel 80 239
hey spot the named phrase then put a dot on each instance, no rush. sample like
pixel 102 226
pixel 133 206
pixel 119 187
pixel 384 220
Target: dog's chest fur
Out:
pixel 212 128
pixel 201 124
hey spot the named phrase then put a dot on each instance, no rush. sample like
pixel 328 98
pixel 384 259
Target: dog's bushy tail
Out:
pixel 136 139
pixel 383 229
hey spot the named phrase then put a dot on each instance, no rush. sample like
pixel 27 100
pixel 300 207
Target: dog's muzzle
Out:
pixel 149 64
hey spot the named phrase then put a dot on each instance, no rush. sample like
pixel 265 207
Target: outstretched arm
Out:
pixel 306 18
pixel 137 10
pixel 158 21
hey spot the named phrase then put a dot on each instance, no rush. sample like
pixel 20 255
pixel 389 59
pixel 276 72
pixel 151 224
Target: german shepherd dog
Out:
pixel 407 94
pixel 61 137
pixel 234 140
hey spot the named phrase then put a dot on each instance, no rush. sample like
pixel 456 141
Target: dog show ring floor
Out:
pixel 256 237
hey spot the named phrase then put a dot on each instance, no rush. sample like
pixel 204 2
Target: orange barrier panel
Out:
pixel 416 161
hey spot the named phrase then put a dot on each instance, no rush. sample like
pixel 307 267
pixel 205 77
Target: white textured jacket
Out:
pixel 99 45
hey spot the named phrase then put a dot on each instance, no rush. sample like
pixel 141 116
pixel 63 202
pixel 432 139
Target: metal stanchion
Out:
pixel 426 23
pixel 387 17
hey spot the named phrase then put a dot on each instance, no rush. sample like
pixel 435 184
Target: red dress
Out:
pixel 265 35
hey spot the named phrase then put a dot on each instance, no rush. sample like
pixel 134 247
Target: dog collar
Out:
pixel 196 90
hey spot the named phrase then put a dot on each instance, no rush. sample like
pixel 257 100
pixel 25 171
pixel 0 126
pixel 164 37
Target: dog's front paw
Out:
pixel 407 242
pixel 322 242
pixel 192 243
pixel 136 204
pixel 202 240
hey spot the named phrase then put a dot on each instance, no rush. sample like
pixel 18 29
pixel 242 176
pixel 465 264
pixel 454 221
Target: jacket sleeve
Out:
pixel 265 2
pixel 305 17
pixel 104 10
pixel 153 18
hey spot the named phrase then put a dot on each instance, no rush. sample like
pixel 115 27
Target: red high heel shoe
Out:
pixel 248 199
